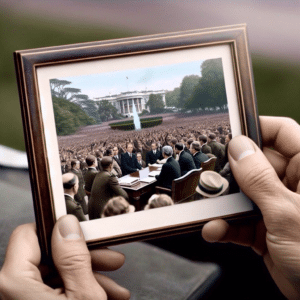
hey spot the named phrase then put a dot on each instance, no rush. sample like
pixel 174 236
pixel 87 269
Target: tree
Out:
pixel 107 110
pixel 187 87
pixel 57 86
pixel 81 97
pixel 155 103
pixel 73 92
pixel 172 97
pixel 210 91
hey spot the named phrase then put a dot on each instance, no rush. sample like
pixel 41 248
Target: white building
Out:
pixel 123 102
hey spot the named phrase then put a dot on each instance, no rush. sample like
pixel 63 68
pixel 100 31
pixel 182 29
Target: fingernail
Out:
pixel 240 147
pixel 69 227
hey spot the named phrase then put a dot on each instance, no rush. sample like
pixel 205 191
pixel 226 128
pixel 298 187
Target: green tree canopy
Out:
pixel 69 116
pixel 155 103
pixel 172 97
pixel 107 111
pixel 187 87
pixel 70 93
pixel 210 90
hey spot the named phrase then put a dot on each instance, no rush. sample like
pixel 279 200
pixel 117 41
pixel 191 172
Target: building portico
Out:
pixel 123 102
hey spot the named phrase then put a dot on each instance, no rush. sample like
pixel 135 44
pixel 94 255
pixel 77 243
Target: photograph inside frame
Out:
pixel 144 138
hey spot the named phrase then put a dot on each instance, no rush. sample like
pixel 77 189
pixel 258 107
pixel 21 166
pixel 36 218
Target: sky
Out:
pixel 165 77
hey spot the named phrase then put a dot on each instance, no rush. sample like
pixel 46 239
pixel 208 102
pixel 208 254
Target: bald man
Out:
pixel 71 185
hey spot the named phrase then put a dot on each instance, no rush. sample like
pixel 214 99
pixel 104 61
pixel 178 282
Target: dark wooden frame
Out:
pixel 27 62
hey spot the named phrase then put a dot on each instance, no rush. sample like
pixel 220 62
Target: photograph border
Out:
pixel 27 62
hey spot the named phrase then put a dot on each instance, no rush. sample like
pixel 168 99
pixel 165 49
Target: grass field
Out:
pixel 277 82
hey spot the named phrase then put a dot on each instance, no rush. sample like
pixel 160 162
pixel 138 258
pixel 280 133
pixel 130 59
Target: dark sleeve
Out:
pixel 193 163
pixel 138 166
pixel 116 188
pixel 162 175
pixel 160 155
pixel 147 159
pixel 197 162
pixel 76 210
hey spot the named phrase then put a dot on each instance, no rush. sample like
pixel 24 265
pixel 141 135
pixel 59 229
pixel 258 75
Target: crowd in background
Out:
pixel 97 193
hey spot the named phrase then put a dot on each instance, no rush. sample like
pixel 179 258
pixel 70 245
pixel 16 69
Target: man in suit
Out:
pixel 71 184
pixel 116 170
pixel 185 160
pixel 129 162
pixel 203 142
pixel 99 156
pixel 105 187
pixel 117 156
pixel 197 154
pixel 187 148
pixel 153 155
pixel 79 197
pixel 170 169
pixel 218 150
pixel 140 160
pixel 90 174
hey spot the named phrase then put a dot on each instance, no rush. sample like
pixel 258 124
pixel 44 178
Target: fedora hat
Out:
pixel 211 184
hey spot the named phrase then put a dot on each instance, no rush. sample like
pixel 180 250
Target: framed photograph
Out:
pixel 126 98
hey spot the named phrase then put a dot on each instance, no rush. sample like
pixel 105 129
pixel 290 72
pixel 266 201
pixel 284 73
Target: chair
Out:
pixel 209 165
pixel 184 187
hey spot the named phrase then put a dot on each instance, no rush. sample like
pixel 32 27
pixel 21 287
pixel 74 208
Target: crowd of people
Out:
pixel 91 185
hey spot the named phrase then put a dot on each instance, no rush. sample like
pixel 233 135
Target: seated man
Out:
pixel 185 160
pixel 71 184
pixel 140 160
pixel 203 142
pixel 170 170
pixel 153 155
pixel 197 154
pixel 129 162
pixel 105 187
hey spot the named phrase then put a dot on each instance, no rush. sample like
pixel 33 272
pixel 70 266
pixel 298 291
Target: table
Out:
pixel 142 188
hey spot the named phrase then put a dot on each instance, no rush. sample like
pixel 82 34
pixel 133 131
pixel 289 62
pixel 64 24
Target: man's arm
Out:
pixel 116 188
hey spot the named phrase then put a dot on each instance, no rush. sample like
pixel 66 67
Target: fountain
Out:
pixel 136 119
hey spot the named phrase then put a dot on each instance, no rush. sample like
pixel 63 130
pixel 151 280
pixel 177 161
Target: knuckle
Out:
pixel 260 179
pixel 73 261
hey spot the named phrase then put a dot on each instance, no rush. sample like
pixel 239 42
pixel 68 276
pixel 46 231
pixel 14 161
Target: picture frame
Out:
pixel 36 67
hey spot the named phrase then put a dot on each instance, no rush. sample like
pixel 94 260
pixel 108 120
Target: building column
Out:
pixel 123 107
pixel 127 102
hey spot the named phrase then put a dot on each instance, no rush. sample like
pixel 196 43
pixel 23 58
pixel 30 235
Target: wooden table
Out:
pixel 137 191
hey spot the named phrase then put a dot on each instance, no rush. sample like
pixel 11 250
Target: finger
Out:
pixel 106 259
pixel 252 234
pixel 73 261
pixel 112 289
pixel 277 160
pixel 255 175
pixel 280 133
pixel 293 174
pixel 23 252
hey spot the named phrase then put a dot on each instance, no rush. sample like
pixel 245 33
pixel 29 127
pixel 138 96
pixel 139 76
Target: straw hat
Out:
pixel 211 184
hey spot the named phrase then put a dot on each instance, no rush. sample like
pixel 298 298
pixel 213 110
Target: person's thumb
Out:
pixel 73 261
pixel 255 175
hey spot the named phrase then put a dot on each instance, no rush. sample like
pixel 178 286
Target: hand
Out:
pixel 271 179
pixel 22 277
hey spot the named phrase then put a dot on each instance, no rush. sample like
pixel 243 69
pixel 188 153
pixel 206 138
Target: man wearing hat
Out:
pixel 211 184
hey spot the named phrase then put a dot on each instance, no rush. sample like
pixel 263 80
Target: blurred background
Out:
pixel 273 28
